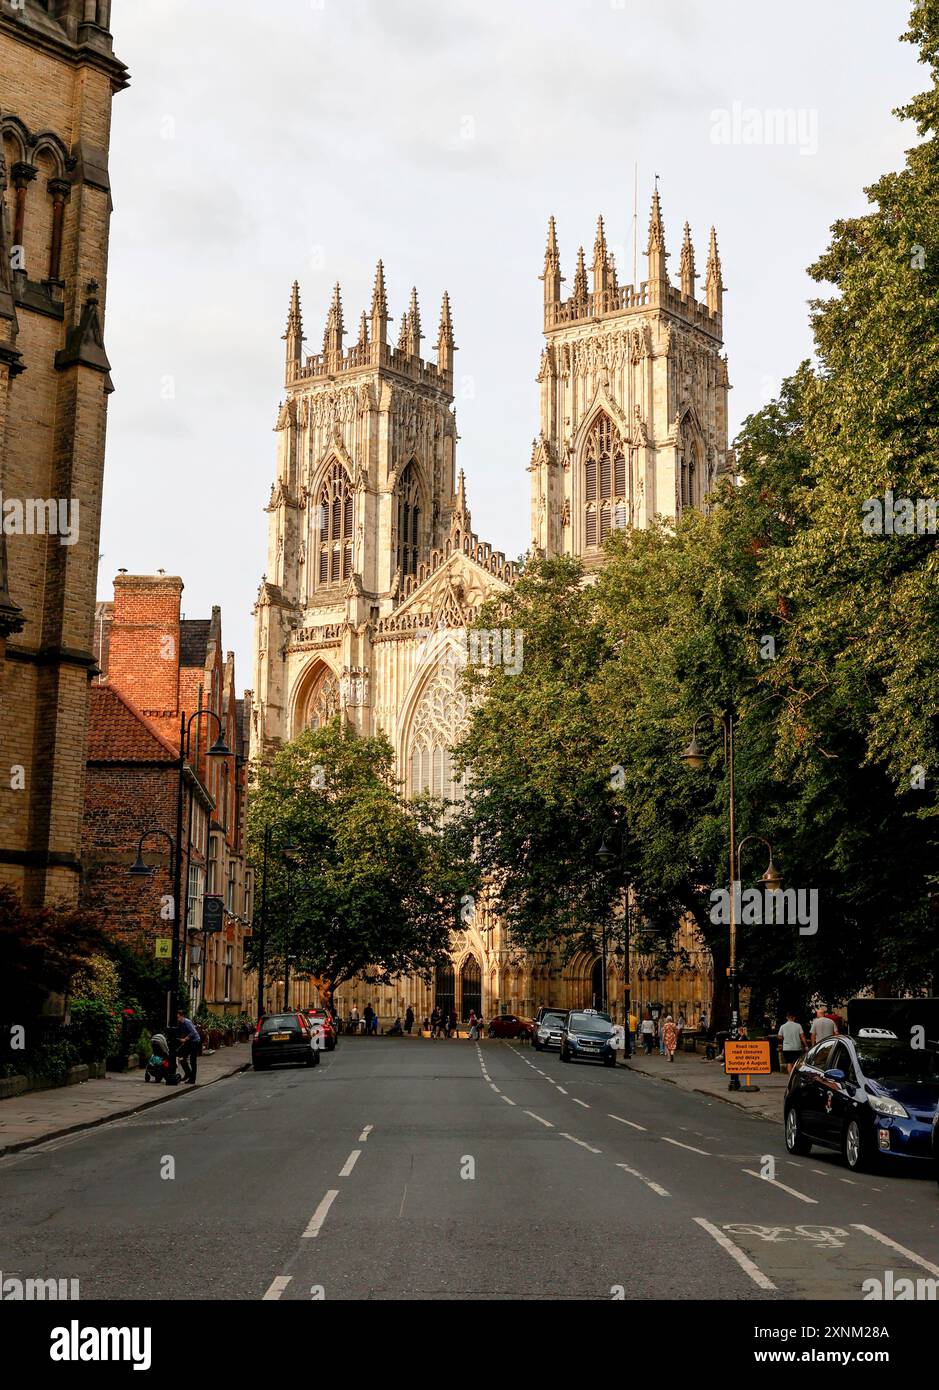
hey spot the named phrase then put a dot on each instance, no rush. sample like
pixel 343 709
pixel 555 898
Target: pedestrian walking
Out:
pixel 791 1040
pixel 354 1019
pixel 823 1026
pixel 670 1038
pixel 408 1019
pixel 434 1021
pixel 368 1013
pixel 647 1032
pixel 473 1027
pixel 452 1025
pixel 188 1047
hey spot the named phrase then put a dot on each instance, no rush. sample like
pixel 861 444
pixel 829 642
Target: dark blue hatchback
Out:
pixel 869 1096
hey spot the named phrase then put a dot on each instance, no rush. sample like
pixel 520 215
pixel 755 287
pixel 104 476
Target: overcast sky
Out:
pixel 263 141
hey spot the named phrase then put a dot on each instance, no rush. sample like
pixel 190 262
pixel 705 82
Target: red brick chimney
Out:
pixel 143 656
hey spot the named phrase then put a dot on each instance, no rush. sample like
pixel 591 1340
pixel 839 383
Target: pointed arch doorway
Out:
pixel 471 988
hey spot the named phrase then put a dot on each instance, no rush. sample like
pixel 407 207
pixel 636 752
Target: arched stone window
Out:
pixel 689 486
pixel 408 519
pixel 437 725
pixel 324 700
pixel 334 527
pixel 606 483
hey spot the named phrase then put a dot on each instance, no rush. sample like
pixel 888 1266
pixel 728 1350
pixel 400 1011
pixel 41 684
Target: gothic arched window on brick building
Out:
pixel 437 725
pixel 606 483
pixel 408 520
pixel 334 522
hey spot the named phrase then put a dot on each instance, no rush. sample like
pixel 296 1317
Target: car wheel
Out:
pixel 565 1055
pixel 536 1044
pixel 796 1141
pixel 854 1148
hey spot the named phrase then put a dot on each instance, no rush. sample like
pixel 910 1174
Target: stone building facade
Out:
pixel 375 573
pixel 158 667
pixel 58 76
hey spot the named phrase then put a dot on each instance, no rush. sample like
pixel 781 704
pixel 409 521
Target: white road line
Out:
pixel 743 1259
pixel 495 1088
pixel 277 1288
pixel 894 1245
pixel 561 1089
pixel 773 1183
pixel 507 1101
pixel 849 1181
pixel 634 1173
pixel 319 1216
pixel 690 1147
pixel 824 1172
pixel 583 1144
pixel 581 1102
pixel 547 1123
pixel 365 1133
pixel 350 1163
pixel 632 1124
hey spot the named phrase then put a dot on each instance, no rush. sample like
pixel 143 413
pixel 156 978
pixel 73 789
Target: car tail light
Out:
pixel 303 1025
pixel 258 1031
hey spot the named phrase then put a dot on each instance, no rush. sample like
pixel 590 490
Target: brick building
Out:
pixel 58 75
pixel 158 667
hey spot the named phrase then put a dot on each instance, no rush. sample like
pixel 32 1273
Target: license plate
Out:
pixel 280 1037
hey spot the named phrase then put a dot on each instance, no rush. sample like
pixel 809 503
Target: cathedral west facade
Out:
pixel 374 572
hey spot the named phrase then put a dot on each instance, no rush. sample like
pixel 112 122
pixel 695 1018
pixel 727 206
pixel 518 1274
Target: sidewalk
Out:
pixel 41 1115
pixel 692 1072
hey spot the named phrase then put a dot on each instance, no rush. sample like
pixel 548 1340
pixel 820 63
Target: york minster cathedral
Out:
pixel 374 572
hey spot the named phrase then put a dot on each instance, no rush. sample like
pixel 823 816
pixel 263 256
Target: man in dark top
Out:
pixel 368 1013
pixel 188 1046
pixel 409 1019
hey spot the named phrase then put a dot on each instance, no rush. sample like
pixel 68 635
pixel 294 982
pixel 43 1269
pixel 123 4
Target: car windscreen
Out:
pixel 553 1020
pixel 279 1023
pixel 589 1023
pixel 896 1063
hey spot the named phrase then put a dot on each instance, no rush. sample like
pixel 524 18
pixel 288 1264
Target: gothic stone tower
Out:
pixel 359 515
pixel 633 396
pixel 58 75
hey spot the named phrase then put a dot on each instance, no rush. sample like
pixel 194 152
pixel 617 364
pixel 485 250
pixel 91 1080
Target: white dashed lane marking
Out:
pixel 743 1260
pixel 581 1102
pixel 277 1288
pixel 632 1123
pixel 507 1101
pixel 365 1133
pixel 547 1123
pixel 690 1147
pixel 350 1163
pixel 772 1182
pixel 319 1216
pixel 653 1186
pixel 582 1142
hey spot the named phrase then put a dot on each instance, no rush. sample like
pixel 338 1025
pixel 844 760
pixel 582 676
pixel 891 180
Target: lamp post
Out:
pixel 262 949
pixel 607 858
pixel 219 749
pixel 694 757
pixel 291 858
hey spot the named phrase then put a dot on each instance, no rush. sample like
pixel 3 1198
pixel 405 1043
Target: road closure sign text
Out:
pixel 748 1058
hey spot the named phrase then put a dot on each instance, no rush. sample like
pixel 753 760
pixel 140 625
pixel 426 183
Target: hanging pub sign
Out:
pixel 213 910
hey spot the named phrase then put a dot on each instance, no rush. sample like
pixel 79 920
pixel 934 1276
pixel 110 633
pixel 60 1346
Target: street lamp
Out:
pixel 291 857
pixel 607 858
pixel 219 749
pixel 693 756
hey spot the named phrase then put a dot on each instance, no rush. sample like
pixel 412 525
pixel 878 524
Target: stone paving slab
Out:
pixel 40 1115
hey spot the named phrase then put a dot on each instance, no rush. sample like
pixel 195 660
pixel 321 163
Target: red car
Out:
pixel 511 1026
pixel 322 1020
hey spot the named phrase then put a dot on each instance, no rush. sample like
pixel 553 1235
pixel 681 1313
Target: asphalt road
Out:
pixel 410 1169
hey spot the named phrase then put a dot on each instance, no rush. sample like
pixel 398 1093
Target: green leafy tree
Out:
pixel 377 880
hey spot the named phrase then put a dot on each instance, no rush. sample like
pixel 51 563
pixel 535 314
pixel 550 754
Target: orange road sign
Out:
pixel 751 1058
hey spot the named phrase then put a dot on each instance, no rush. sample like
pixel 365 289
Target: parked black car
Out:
pixel 283 1038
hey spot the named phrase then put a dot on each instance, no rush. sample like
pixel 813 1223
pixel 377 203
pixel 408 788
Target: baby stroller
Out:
pixel 158 1067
